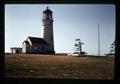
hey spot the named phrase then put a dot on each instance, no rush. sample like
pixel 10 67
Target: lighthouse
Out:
pixel 48 29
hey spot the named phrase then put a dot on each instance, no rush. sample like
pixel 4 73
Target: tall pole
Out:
pixel 98 41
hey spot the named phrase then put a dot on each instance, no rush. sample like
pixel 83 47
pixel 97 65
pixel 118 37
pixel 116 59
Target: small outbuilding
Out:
pixel 16 50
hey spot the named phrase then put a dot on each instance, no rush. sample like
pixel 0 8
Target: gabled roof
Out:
pixel 26 42
pixel 37 40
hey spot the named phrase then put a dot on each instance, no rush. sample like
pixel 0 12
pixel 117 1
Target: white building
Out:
pixel 35 45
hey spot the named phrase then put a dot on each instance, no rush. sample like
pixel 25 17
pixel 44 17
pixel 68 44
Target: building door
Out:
pixel 17 51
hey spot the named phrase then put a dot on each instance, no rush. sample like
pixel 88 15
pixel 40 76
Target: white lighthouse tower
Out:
pixel 48 29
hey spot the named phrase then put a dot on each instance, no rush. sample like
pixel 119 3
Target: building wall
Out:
pixel 48 33
pixel 34 48
pixel 20 50
pixel 39 48
pixel 26 48
pixel 13 51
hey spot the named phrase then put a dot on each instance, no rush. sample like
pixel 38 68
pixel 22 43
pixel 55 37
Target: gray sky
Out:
pixel 71 21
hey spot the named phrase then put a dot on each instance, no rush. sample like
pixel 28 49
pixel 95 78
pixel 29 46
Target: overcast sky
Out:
pixel 70 22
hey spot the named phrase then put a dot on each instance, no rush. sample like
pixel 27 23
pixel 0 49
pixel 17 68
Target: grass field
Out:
pixel 58 66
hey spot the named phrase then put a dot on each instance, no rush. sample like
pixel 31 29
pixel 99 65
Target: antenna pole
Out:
pixel 98 40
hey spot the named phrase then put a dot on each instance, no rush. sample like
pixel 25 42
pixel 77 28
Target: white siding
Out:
pixel 24 48
pixel 13 50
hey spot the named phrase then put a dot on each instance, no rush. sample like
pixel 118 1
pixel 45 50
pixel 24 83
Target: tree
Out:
pixel 78 47
pixel 112 51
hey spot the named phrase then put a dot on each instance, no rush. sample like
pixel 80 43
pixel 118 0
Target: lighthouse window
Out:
pixel 50 16
pixel 51 38
pixel 44 16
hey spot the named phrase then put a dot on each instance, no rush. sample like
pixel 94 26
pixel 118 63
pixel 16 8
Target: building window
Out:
pixel 35 47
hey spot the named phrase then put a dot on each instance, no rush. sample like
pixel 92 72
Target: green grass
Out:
pixel 46 66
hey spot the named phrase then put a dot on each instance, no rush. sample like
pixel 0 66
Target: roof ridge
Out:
pixel 33 37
